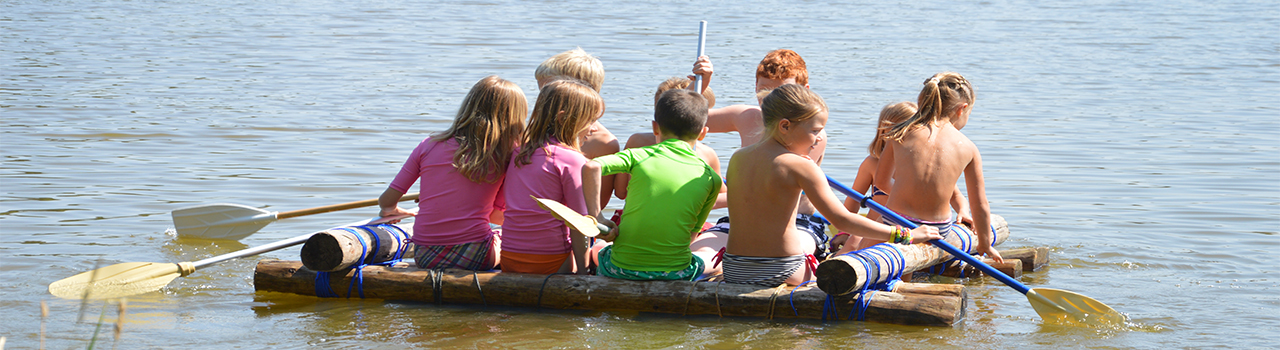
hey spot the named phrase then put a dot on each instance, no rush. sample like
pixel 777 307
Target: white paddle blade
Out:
pixel 116 281
pixel 220 221
pixel 1068 308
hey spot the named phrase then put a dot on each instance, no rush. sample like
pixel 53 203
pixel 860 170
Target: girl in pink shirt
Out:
pixel 461 171
pixel 549 165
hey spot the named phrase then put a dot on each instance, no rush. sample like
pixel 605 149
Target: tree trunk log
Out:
pixel 341 248
pixel 910 304
pixel 840 275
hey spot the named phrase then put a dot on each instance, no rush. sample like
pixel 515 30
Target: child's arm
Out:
pixel 884 174
pixel 961 206
pixel 813 182
pixel 981 209
pixel 866 172
pixel 389 203
pixel 703 68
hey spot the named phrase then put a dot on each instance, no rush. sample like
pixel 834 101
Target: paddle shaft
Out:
pixel 702 48
pixel 898 219
pixel 337 207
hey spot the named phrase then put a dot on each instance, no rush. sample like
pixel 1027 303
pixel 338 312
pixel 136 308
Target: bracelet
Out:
pixel 906 236
pixel 841 234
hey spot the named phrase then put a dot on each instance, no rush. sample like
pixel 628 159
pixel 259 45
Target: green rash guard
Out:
pixel 670 194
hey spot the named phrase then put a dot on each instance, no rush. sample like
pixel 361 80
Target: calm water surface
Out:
pixel 1137 140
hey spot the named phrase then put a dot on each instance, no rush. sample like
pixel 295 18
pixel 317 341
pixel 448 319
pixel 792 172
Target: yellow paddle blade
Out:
pixel 115 281
pixel 1069 308
pixel 585 224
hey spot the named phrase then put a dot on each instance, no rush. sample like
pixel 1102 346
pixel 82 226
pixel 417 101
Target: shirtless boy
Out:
pixel 765 183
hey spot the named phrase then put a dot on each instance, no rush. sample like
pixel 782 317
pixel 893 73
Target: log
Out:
pixel 844 274
pixel 911 304
pixel 1010 267
pixel 341 248
pixel 1033 258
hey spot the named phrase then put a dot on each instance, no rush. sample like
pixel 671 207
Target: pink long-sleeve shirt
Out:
pixel 555 172
pixel 451 208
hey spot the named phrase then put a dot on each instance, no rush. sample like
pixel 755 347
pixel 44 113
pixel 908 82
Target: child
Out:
pixel 461 172
pixel 548 165
pixel 929 154
pixel 778 67
pixel 765 182
pixel 638 140
pixel 890 115
pixel 675 190
pixel 577 64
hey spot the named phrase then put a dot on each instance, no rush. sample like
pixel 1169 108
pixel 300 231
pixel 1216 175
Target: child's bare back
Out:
pixel 929 154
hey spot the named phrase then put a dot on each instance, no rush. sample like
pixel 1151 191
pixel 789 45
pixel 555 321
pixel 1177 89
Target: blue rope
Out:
pixel 793 297
pixel 323 289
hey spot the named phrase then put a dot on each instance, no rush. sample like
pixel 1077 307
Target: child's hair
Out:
pixel 890 115
pixel 564 108
pixel 487 128
pixel 781 64
pixel 683 83
pixel 574 63
pixel 792 102
pixel 942 93
pixel 682 113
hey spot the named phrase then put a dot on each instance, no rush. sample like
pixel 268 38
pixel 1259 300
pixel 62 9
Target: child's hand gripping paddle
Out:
pixel 1054 305
pixel 585 224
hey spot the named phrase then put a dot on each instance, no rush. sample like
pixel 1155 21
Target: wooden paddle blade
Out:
pixel 116 281
pixel 584 224
pixel 1069 308
pixel 220 221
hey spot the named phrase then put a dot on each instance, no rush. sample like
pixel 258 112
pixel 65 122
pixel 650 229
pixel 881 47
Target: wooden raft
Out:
pixel 908 304
pixel 841 275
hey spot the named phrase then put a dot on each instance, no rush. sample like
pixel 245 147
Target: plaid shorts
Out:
pixel 467 256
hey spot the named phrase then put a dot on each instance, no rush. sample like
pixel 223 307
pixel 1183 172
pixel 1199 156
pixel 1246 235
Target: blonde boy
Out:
pixel 578 64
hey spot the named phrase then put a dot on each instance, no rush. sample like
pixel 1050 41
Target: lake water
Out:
pixel 1136 139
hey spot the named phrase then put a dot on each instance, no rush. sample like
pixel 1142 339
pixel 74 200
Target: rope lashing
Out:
pixel 324 290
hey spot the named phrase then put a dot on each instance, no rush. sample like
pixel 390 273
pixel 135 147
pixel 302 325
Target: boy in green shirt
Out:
pixel 672 190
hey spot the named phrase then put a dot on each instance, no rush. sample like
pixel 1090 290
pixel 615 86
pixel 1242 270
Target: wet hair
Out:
pixel 890 115
pixel 682 113
pixel 564 109
pixel 943 92
pixel 487 128
pixel 781 64
pixel 792 102
pixel 574 63
pixel 683 83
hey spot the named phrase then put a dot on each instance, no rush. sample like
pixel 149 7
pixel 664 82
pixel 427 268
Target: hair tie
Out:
pixel 933 80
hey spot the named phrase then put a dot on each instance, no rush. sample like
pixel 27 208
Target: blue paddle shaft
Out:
pixel 950 249
pixel 702 46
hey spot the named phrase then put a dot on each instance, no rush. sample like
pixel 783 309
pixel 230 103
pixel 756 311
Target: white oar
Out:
pixel 234 221
pixel 125 279
pixel 702 48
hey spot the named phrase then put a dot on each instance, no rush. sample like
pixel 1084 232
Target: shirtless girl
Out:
pixel 929 154
pixel 765 183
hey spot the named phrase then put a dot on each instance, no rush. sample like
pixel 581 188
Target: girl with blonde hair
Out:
pixel 549 165
pixel 460 173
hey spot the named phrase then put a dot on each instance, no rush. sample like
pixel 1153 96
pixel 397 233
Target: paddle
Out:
pixel 125 279
pixel 234 221
pixel 587 225
pixel 1056 305
pixel 702 46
